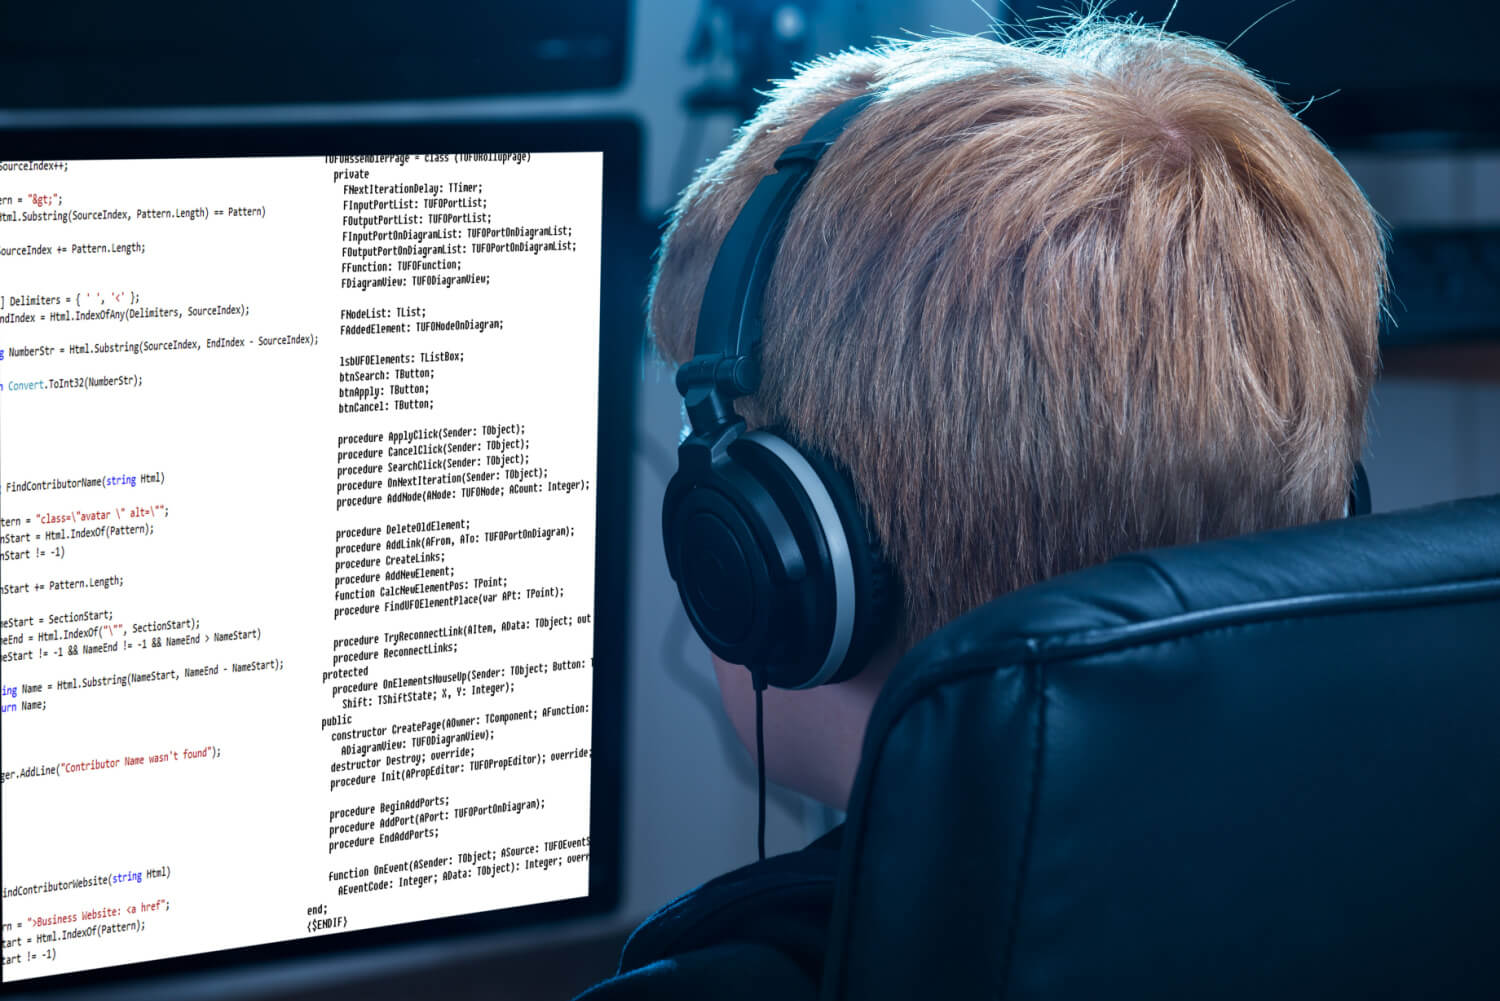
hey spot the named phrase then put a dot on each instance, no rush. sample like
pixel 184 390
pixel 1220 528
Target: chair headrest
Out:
pixel 1266 766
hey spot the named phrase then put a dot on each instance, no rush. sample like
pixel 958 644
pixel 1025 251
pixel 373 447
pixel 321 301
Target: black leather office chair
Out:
pixel 1266 767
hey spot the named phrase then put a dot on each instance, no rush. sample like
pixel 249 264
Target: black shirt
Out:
pixel 757 932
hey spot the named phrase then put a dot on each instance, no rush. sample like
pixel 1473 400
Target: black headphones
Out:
pixel 769 547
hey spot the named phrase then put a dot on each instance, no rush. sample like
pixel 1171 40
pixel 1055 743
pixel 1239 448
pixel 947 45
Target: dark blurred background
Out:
pixel 1407 94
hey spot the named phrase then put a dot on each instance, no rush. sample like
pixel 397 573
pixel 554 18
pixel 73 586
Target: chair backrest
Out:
pixel 1263 767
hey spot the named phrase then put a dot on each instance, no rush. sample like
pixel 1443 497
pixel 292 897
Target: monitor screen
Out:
pixel 310 481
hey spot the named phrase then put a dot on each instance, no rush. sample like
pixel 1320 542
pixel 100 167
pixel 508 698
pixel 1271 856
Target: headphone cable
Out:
pixel 758 678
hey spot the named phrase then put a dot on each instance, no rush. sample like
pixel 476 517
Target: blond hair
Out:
pixel 1051 302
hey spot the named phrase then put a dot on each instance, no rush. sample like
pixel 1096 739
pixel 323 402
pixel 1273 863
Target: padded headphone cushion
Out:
pixel 875 582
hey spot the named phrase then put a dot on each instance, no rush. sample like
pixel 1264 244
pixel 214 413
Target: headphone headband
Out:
pixel 729 319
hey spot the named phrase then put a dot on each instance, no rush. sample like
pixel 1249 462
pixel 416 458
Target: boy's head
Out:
pixel 1048 303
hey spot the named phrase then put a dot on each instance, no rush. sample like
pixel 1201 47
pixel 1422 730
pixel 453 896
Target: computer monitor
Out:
pixel 314 454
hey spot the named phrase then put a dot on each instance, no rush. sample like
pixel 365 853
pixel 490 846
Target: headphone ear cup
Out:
pixel 876 586
pixel 762 583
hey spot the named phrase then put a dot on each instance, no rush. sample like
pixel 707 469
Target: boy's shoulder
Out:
pixel 759 931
